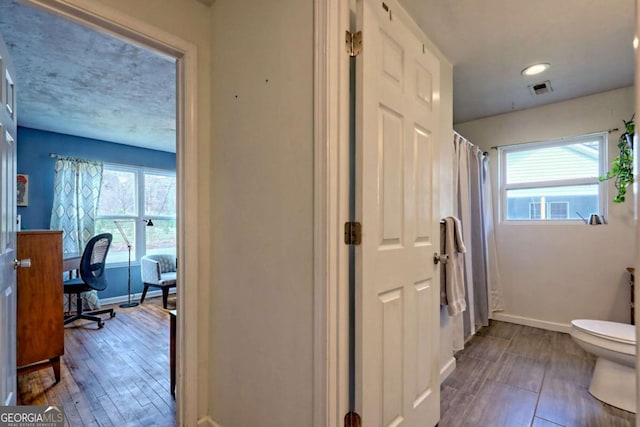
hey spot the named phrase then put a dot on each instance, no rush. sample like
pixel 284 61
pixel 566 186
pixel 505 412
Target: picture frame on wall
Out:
pixel 22 189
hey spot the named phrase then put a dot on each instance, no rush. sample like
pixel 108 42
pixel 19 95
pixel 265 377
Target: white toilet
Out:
pixel 614 344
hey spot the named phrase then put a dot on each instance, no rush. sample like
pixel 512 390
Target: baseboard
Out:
pixel 208 422
pixel 134 297
pixel 542 324
pixel 447 369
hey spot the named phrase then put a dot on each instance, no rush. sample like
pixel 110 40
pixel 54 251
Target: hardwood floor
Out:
pixel 114 376
pixel 512 375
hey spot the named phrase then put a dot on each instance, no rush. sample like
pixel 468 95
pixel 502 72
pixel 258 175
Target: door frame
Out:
pixel 331 209
pixel 123 26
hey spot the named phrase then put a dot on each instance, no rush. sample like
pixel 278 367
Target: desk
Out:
pixel 172 351
pixel 71 262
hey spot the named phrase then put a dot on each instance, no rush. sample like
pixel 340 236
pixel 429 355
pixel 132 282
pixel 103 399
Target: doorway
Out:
pixel 124 27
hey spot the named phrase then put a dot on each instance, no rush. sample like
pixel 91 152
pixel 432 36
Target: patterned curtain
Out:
pixel 76 189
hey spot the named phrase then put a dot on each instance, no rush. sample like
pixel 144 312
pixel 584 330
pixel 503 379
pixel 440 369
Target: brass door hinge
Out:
pixel 352 233
pixel 352 419
pixel 353 43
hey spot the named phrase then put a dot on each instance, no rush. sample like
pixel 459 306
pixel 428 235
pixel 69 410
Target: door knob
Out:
pixel 440 258
pixel 21 263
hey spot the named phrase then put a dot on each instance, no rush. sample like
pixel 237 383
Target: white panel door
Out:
pixel 397 283
pixel 8 293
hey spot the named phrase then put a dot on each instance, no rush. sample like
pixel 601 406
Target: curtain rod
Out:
pixel 59 156
pixel 557 139
pixel 484 153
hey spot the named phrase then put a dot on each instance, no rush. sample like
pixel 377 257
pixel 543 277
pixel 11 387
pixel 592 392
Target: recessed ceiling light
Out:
pixel 635 42
pixel 534 69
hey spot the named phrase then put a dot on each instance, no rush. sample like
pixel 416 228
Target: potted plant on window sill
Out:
pixel 622 166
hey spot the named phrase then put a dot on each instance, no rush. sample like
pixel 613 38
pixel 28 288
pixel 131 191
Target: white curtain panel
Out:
pixel 496 301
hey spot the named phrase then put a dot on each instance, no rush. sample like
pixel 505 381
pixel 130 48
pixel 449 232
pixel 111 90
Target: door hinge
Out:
pixel 353 43
pixel 352 233
pixel 352 419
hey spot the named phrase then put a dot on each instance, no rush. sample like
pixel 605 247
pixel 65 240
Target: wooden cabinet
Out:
pixel 40 317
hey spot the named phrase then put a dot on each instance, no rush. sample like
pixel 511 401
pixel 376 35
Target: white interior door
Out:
pixel 8 128
pixel 397 283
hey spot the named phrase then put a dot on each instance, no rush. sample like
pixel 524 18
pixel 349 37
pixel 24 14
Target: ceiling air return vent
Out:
pixel 540 88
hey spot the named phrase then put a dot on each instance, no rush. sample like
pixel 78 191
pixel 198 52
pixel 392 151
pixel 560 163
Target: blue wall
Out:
pixel 34 147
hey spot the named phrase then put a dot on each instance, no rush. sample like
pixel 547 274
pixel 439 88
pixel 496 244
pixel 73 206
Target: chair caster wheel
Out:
pixel 100 325
pixel 113 314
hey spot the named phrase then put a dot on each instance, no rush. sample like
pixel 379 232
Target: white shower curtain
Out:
pixel 473 205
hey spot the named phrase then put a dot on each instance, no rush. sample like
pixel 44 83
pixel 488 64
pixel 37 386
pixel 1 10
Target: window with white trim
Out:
pixel 553 180
pixel 131 196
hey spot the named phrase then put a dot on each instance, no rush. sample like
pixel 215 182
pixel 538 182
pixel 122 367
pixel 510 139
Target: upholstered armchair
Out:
pixel 158 271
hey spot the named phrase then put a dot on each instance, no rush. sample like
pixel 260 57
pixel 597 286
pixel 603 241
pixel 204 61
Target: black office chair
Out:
pixel 92 266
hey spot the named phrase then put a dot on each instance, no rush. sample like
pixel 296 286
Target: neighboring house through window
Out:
pixel 130 195
pixel 553 180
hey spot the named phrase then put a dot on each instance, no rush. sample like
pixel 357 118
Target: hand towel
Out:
pixel 452 292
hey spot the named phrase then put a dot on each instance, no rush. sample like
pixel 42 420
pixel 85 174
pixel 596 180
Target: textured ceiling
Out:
pixel 489 42
pixel 77 81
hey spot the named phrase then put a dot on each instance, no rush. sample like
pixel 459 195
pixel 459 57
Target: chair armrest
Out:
pixel 150 271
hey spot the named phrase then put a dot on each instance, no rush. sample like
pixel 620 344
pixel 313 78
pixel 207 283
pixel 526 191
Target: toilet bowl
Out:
pixel 614 344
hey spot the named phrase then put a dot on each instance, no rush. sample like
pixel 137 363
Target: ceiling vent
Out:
pixel 540 88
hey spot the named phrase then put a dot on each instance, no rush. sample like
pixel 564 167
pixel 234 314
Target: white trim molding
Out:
pixel 134 297
pixel 447 369
pixel 536 323
pixel 207 422
pixel 331 204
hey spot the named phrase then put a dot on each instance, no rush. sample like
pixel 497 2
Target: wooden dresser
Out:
pixel 40 317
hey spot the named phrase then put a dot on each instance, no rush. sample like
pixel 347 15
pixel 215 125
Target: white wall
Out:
pixel 552 274
pixel 262 301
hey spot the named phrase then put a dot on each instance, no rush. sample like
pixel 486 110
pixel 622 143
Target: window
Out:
pixel 130 196
pixel 553 180
pixel 552 210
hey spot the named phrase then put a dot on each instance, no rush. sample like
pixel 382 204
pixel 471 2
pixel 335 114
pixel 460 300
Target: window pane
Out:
pixel 159 195
pixel 570 161
pixel 118 193
pixel 118 251
pixel 555 203
pixel 161 237
pixel 558 210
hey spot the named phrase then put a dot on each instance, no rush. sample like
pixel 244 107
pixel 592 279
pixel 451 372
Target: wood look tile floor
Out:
pixel 517 376
pixel 114 376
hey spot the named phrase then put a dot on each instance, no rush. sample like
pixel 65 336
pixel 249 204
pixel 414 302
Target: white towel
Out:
pixel 451 273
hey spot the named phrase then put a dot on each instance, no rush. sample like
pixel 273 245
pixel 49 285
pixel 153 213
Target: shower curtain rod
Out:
pixel 565 137
pixel 484 153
